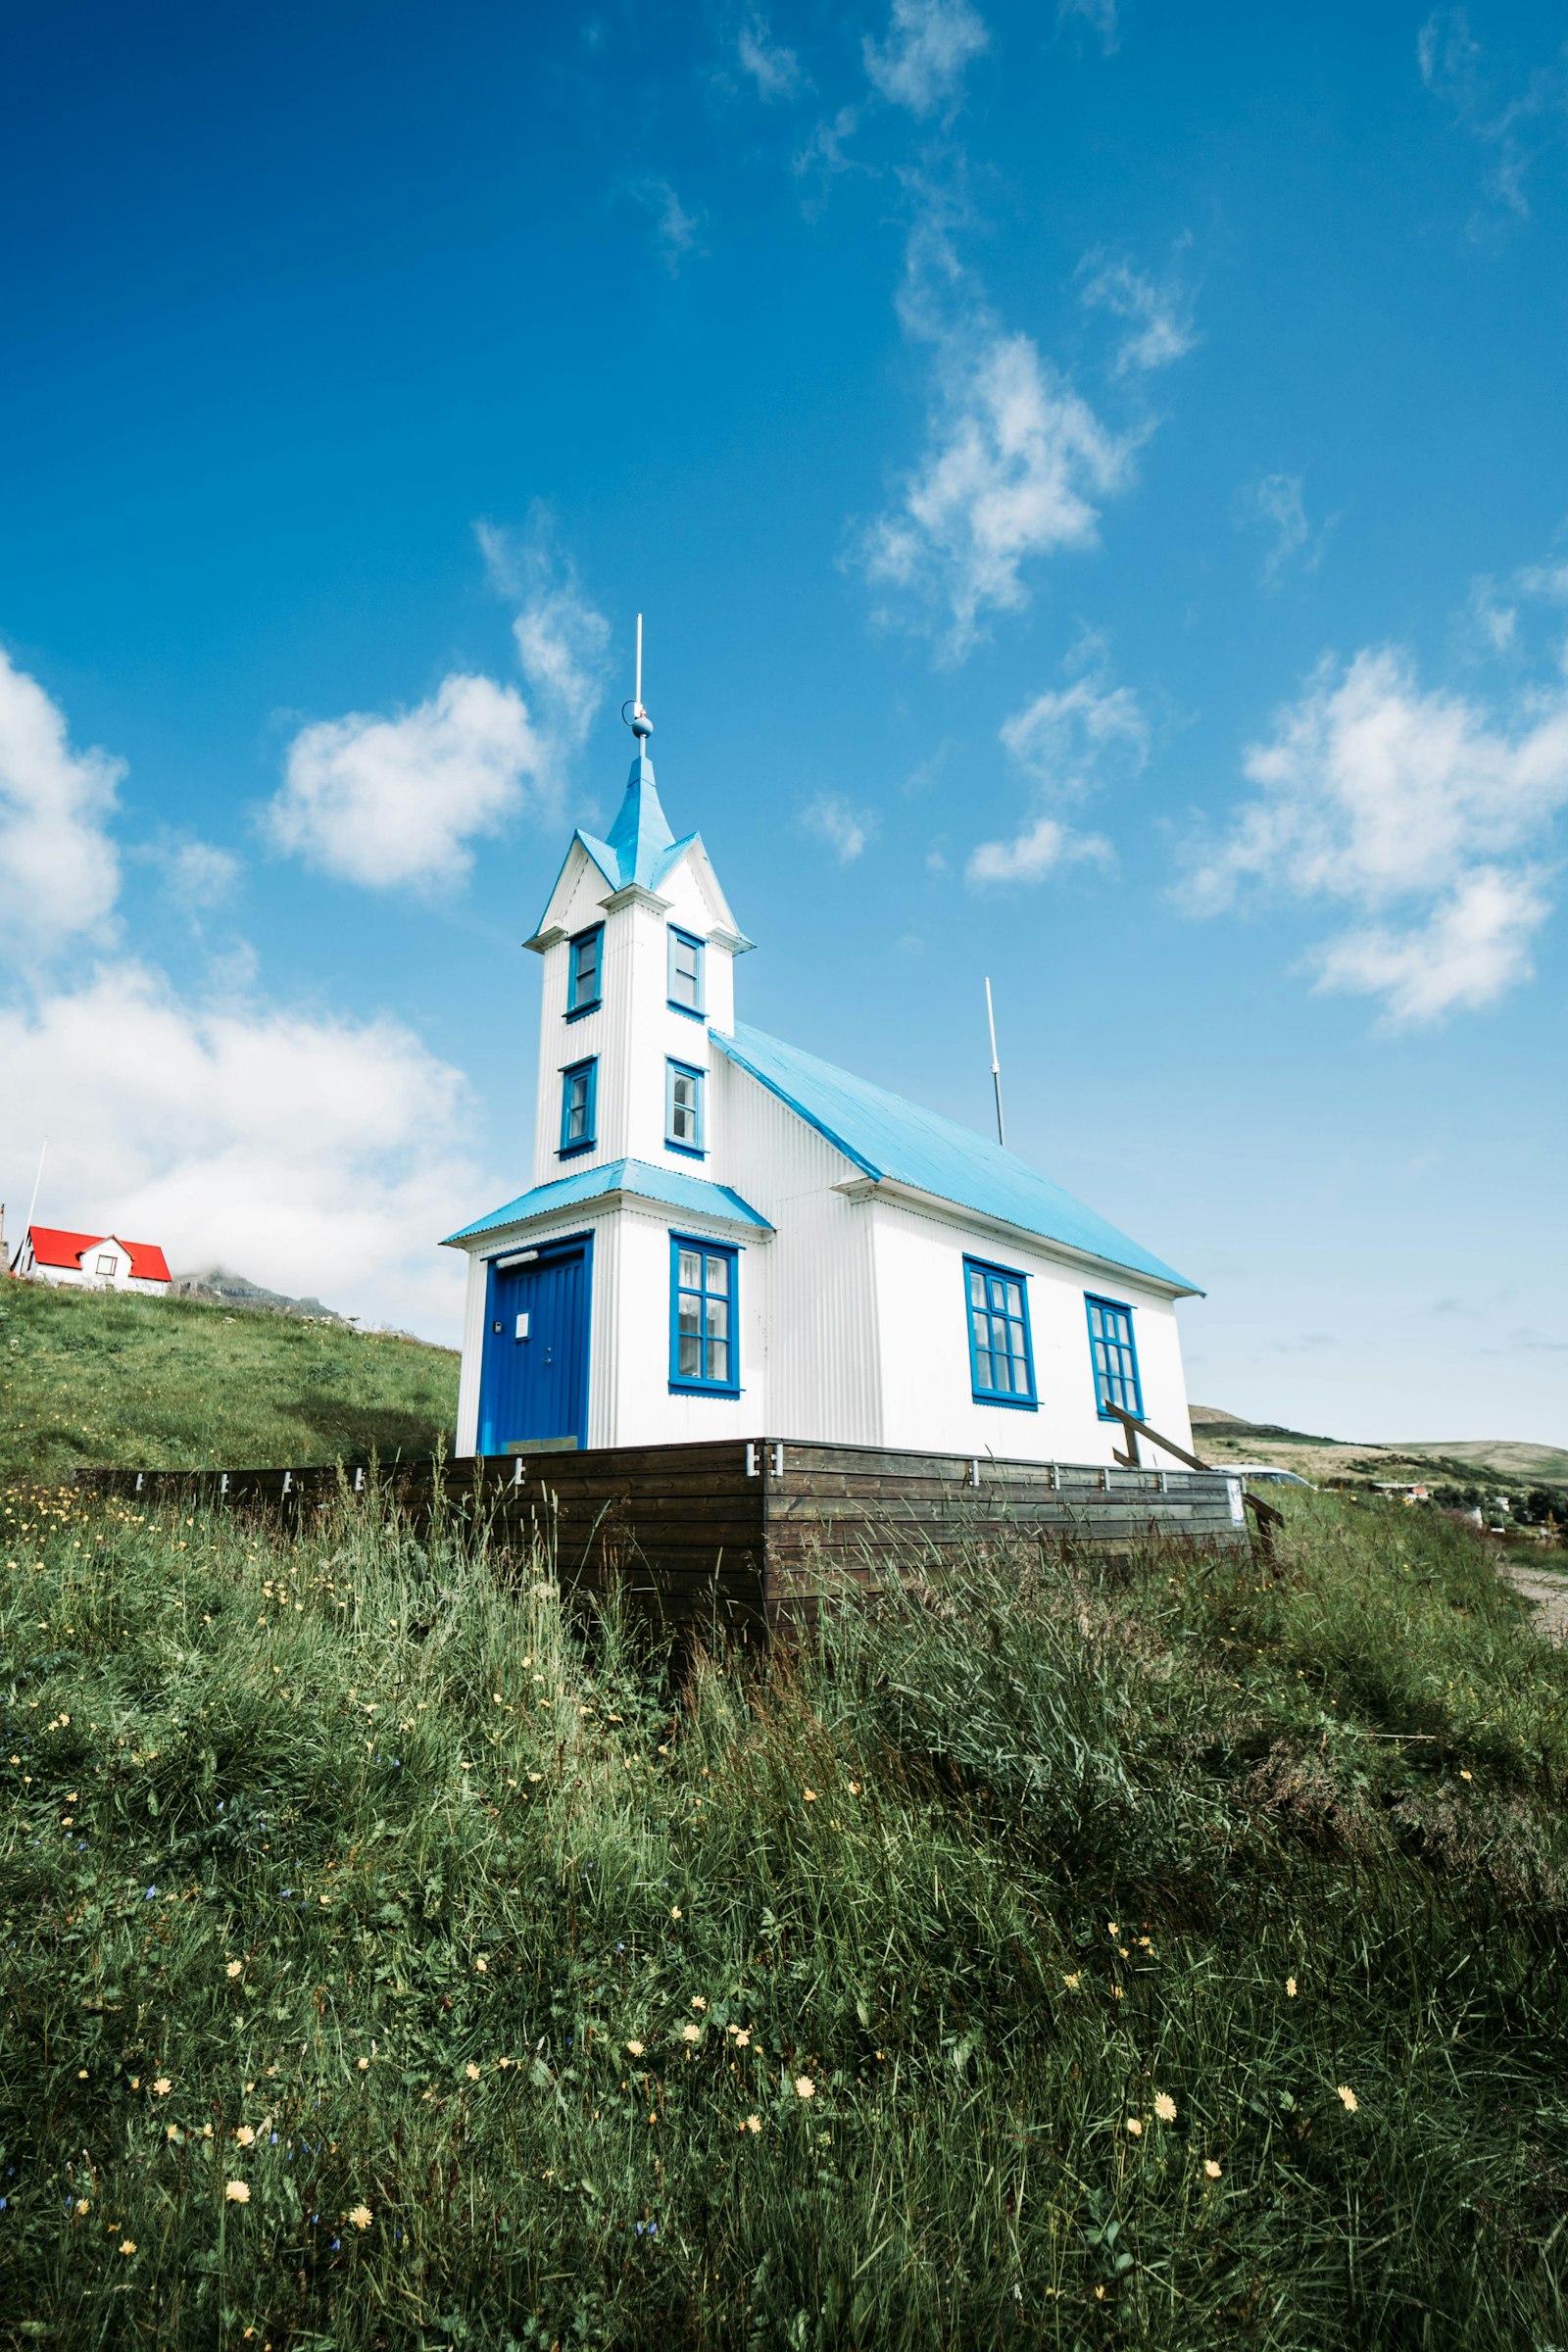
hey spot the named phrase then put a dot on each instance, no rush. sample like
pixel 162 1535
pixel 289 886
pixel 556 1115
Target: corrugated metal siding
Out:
pixel 822 1365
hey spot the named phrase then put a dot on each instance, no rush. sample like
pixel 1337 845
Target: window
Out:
pixel 683 1107
pixel 580 1091
pixel 107 1262
pixel 1115 1358
pixel 1001 1365
pixel 587 954
pixel 686 972
pixel 703 1354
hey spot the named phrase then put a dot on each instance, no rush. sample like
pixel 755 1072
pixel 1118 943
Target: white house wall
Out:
pixel 823 1368
pixel 928 1400
pixel 647 1412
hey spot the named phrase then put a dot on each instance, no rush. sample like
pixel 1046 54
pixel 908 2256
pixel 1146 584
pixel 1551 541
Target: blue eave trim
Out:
pixel 672 1188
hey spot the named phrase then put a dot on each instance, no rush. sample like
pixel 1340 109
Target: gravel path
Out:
pixel 1548 1593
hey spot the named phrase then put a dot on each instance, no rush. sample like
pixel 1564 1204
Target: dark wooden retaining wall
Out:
pixel 745 1532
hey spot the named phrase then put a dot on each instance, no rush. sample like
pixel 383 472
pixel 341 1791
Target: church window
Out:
pixel 685 972
pixel 579 1094
pixel 1114 1357
pixel 1000 1361
pixel 584 971
pixel 703 1350
pixel 683 1107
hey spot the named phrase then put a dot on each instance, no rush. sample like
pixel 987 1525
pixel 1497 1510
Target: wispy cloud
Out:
pixel 929 45
pixel 397 801
pixel 846 830
pixel 1514 130
pixel 1098 15
pixel 1276 505
pixel 775 70
pixel 1068 743
pixel 1015 467
pixel 59 870
pixel 1425 813
pixel 1157 312
pixel 676 233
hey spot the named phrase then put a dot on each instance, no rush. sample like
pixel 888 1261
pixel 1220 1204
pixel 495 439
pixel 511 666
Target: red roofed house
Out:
pixel 92 1261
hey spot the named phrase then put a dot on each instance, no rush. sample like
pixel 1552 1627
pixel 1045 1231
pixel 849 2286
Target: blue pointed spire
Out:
pixel 641 832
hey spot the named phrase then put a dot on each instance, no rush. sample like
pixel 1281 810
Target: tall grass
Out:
pixel 1162 1955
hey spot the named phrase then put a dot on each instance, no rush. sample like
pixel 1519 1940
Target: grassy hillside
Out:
pixel 90 1376
pixel 1222 1437
pixel 1163 1956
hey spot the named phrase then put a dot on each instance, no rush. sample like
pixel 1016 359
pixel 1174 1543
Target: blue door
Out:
pixel 533 1387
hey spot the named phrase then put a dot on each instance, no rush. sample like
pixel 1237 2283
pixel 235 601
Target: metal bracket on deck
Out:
pixel 1164 1482
pixel 288 1480
pixel 359 1481
pixel 971 1476
pixel 223 1483
pixel 137 1487
pixel 1105 1480
pixel 750 1461
pixel 778 1461
pixel 517 1475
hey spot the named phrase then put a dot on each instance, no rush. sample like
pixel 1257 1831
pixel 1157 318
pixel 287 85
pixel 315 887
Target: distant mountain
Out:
pixel 235 1290
pixel 1225 1436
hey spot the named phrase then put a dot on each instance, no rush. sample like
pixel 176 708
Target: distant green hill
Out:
pixel 1224 1436
pixel 92 1376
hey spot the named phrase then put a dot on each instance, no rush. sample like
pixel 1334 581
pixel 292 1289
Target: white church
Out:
pixel 726 1237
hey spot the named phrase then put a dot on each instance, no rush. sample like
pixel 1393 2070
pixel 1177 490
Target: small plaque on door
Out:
pixel 522 1327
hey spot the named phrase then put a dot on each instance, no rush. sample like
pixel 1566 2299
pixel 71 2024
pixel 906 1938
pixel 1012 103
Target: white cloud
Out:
pixel 1036 851
pixel 390 802
pixel 1098 15
pixel 395 803
pixel 921 63
pixel 312 1155
pixel 1159 316
pixel 676 232
pixel 1015 465
pixel 1068 742
pixel 59 872
pixel 1453 68
pixel 775 69
pixel 1277 504
pixel 199 874
pixel 846 830
pixel 1425 813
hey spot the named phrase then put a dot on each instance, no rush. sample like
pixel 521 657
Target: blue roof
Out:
pixel 902 1144
pixel 641 848
pixel 690 1192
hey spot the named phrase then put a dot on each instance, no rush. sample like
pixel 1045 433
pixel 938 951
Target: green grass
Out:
pixel 356 1845
pixel 93 1376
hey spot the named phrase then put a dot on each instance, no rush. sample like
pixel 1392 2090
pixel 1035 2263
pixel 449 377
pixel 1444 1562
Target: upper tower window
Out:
pixel 683 1107
pixel 579 1094
pixel 685 972
pixel 584 971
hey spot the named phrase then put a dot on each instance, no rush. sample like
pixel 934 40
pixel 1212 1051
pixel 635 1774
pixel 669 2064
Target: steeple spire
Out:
pixel 642 726
pixel 641 833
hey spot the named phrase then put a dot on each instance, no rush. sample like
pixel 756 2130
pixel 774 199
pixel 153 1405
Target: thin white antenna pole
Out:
pixel 38 1180
pixel 638 697
pixel 995 1068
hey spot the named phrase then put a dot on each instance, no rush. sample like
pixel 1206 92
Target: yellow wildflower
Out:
pixel 1165 2107
pixel 471 2071
pixel 128 2245
pixel 753 2123
pixel 691 2032
pixel 675 1914
pixel 810 1795
pixel 743 2037
pixel 1290 1988
pixel 238 2192
pixel 360 2216
pixel 1135 2127
pixel 245 2135
pixel 163 2086
pixel 636 2048
pixel 804 2087
pixel 1073 1981
pixel 233 1968
pixel 1348 2097
pixel 699 2001
pixel 364 2065
pixel 1210 2168
pixel 482 1964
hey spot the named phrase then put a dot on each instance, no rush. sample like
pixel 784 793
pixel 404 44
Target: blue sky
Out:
pixel 1097 485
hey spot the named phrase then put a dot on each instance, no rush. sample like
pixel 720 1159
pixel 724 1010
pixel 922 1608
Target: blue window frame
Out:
pixel 704 1343
pixel 1114 1357
pixel 579 1103
pixel 584 971
pixel 683 1108
pixel 685 985
pixel 1001 1364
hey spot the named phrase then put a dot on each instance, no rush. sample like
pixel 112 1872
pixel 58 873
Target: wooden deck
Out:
pixel 748 1532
